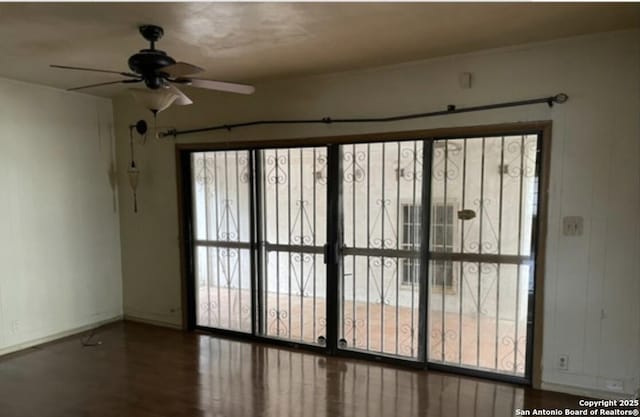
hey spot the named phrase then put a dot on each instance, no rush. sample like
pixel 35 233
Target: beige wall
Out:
pixel 59 243
pixel 591 311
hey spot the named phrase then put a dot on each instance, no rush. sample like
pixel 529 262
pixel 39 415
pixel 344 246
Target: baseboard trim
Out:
pixel 137 319
pixel 57 336
pixel 586 392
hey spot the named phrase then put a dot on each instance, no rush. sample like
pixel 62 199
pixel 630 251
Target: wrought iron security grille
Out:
pixel 380 302
pixel 293 214
pixel 483 324
pixel 429 243
pixel 222 244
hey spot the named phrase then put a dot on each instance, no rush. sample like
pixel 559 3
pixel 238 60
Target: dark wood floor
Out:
pixel 145 371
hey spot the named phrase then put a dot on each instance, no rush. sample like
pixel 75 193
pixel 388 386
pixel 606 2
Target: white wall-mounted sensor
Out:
pixel 464 79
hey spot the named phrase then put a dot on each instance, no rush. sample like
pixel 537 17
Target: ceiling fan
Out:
pixel 160 74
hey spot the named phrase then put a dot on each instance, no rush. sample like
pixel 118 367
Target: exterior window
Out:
pixel 442 241
pixel 442 236
pixel 411 230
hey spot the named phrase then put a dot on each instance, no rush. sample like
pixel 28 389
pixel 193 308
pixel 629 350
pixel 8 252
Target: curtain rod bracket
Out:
pixel 170 132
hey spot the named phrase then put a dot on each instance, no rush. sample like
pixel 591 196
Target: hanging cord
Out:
pixel 131 143
pixel 135 192
pixel 451 109
pixel 87 341
pixel 133 171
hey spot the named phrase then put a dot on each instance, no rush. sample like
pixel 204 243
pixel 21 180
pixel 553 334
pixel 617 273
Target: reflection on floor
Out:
pixel 467 341
pixel 146 371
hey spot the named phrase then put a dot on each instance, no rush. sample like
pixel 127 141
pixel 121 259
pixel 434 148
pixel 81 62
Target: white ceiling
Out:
pixel 256 41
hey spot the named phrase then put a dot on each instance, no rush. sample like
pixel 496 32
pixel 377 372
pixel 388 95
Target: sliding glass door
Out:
pixel 419 250
pixel 292 186
pixel 484 194
pixel 222 239
pixel 380 285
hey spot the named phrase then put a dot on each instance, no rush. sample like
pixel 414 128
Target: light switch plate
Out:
pixel 572 225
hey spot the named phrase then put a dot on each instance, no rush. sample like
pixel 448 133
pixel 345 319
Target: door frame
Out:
pixel 182 161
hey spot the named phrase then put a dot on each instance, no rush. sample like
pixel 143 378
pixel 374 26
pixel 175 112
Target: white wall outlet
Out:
pixel 563 362
pixel 572 225
pixel 15 326
pixel 614 385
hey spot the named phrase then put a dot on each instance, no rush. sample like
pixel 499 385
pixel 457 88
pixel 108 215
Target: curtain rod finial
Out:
pixel 560 98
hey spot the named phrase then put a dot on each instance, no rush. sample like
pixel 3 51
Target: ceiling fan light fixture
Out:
pixel 182 99
pixel 154 100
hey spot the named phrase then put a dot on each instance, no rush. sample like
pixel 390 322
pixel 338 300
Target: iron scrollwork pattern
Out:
pixel 203 169
pixel 472 233
pixel 275 174
pixel 228 263
pixel 353 170
pixel 278 323
pixel 409 343
pixel 448 337
pixel 302 231
pixel 513 358
pixel 445 165
pixel 486 273
pixel 208 310
pixel 353 329
pixel 242 160
pixel 520 158
pixel 409 167
pixel 320 165
pixel 383 216
pixel 378 266
pixel 227 224
pixel 302 276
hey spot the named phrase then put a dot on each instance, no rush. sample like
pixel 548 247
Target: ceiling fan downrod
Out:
pixel 147 62
pixel 152 33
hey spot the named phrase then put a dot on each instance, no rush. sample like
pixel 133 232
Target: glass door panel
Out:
pixel 222 242
pixel 484 194
pixel 293 207
pixel 265 222
pixel 381 215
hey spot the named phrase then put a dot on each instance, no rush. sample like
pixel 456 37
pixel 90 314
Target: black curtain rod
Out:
pixel 451 109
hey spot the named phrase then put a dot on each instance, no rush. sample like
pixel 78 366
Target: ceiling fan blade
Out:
pixel 180 69
pixel 220 86
pixel 105 83
pixel 126 74
pixel 182 99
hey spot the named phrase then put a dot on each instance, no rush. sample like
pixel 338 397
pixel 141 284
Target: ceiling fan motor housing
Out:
pixel 147 62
